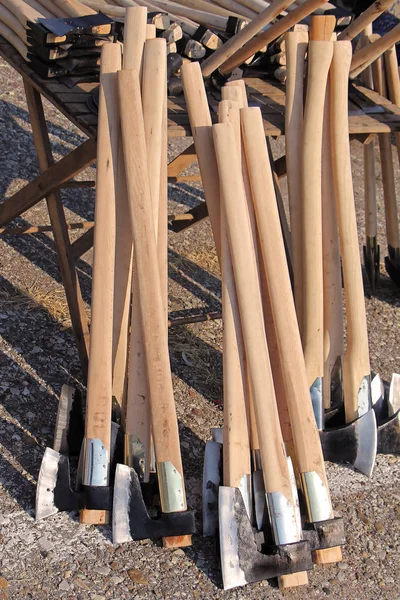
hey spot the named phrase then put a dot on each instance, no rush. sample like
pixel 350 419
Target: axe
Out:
pixel 53 489
pixel 176 524
pixel 279 495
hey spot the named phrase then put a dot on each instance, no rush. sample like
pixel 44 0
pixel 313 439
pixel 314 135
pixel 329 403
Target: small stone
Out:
pixel 64 586
pixel 116 580
pixel 341 576
pixel 379 525
pixel 97 597
pixel 81 584
pixel 114 566
pixel 343 566
pixel 26 392
pixel 179 552
pixel 30 415
pixel 3 583
pixel 326 590
pixel 67 574
pixel 102 570
pixel 138 577
pixel 45 545
pixel 364 554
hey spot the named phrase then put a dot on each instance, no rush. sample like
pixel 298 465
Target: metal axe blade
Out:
pixel 131 521
pixel 242 561
pixel 47 480
pixel 386 404
pixel 355 443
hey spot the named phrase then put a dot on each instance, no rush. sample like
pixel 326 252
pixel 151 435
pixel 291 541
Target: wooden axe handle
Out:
pixel 134 37
pixel 236 454
pixel 356 359
pixel 296 47
pixel 200 123
pixel 11 21
pixel 205 6
pixel 268 36
pixel 208 19
pixel 53 8
pixel 238 8
pixel 332 275
pixel 40 8
pixel 15 41
pixel 275 469
pixel 162 405
pixel 306 437
pixel 74 8
pixel 322 27
pixel 99 386
pixel 151 31
pixel 229 49
pixel 365 56
pixel 319 60
pixel 23 11
pixel 365 19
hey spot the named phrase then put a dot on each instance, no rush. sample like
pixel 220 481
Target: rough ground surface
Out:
pixel 58 558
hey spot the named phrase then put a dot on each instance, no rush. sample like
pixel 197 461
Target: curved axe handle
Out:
pixel 356 364
pixel 366 18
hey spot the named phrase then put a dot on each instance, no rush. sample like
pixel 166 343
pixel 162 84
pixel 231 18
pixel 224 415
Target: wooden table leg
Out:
pixel 57 218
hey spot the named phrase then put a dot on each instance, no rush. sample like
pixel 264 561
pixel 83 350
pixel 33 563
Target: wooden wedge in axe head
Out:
pixel 240 560
pixel 176 523
pixel 94 499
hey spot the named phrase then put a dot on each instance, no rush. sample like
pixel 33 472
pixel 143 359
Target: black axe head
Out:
pixel 355 443
pixel 386 404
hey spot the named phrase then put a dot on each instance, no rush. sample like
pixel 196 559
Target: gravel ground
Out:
pixel 58 558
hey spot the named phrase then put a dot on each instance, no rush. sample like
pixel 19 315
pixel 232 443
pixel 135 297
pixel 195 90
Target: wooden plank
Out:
pixel 77 108
pixel 354 109
pixel 377 99
pixel 50 178
pixel 366 124
pixel 67 97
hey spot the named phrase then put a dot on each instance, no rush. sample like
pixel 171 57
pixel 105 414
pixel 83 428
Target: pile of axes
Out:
pixel 131 213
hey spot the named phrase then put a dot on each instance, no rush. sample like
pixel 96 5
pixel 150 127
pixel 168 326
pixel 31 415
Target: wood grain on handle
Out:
pixel 208 19
pixel 237 8
pixel 275 469
pixel 319 60
pixel 236 455
pixel 332 275
pixel 365 19
pixel 53 8
pixel 99 386
pixel 200 123
pixel 74 8
pixel 268 36
pixel 40 8
pixel 205 6
pixel 151 31
pixel 356 359
pixel 229 49
pixel 10 20
pixel 304 429
pixel 322 27
pixel 296 47
pixel 155 335
pixel 134 37
pixel 15 41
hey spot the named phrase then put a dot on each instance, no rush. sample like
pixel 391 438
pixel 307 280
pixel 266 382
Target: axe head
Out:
pixel 131 521
pixel 47 481
pixel 70 427
pixel 355 443
pixel 242 548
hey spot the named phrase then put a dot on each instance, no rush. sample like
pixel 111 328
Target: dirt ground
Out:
pixel 57 557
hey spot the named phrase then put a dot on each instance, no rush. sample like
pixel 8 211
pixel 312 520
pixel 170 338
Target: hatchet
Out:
pixel 155 335
pixel 54 472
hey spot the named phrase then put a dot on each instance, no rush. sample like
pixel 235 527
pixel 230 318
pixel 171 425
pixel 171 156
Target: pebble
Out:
pixel 138 577
pixel 116 579
pixel 45 545
pixel 102 570
pixel 64 586
pixel 3 583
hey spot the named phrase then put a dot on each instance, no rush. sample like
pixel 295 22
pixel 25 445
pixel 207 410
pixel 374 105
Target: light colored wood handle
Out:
pixel 150 31
pixel 10 20
pixel 322 27
pixel 356 360
pixel 153 93
pixel 296 47
pixel 220 56
pixel 205 6
pixel 40 8
pixel 319 60
pixel 236 455
pixel 268 36
pixel 275 470
pixel 99 388
pixel 365 19
pixel 302 419
pixel 200 123
pixel 332 275
pixel 368 54
pixel 208 19
pixel 53 8
pixel 134 37
pixel 162 405
pixel 74 8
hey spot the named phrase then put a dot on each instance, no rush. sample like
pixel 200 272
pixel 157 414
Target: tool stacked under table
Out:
pixel 293 396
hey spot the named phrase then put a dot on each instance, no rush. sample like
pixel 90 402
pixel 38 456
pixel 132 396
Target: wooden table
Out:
pixel 369 115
